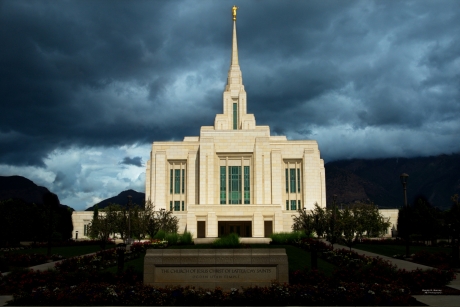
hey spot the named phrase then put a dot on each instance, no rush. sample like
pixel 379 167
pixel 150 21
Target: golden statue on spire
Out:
pixel 234 8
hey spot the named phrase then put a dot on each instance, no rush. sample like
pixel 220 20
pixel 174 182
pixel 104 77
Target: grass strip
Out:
pixel 390 250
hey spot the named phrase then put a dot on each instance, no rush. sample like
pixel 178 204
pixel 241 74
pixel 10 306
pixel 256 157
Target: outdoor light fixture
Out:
pixel 404 177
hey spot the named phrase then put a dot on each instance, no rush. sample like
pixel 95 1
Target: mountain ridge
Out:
pixel 436 177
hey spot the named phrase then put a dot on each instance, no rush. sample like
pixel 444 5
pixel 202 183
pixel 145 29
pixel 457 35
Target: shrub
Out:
pixel 186 238
pixel 172 238
pixel 140 247
pixel 288 237
pixel 161 235
pixel 308 244
pixel 230 241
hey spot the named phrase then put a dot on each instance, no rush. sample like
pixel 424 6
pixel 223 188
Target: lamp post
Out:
pixel 129 218
pixel 404 177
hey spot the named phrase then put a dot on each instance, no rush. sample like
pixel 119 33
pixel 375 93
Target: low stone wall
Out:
pixel 210 268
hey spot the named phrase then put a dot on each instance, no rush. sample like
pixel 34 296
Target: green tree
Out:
pixel 303 222
pixel 93 226
pixel 420 220
pixel 319 220
pixel 154 221
pixel 349 224
pixel 102 226
pixel 333 229
pixel 369 221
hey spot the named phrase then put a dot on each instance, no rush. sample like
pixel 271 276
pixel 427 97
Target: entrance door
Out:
pixel 201 229
pixel 268 228
pixel 241 228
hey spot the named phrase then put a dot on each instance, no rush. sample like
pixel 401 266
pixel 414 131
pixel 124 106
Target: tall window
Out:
pixel 223 185
pixel 177 181
pixel 235 180
pixel 293 184
pixel 247 195
pixel 234 186
pixel 177 185
pixel 292 180
pixel 235 116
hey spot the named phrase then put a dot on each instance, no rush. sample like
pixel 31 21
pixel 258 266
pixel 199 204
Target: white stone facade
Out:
pixel 80 221
pixel 235 176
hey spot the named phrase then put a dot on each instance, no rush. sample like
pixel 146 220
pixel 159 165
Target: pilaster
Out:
pixel 160 186
pixel 258 225
pixel 276 171
pixel 191 177
pixel 211 225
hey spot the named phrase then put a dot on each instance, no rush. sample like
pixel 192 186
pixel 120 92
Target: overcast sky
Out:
pixel 87 86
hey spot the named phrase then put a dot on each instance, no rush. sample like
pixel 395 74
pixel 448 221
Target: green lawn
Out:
pixel 298 258
pixel 65 251
pixel 390 250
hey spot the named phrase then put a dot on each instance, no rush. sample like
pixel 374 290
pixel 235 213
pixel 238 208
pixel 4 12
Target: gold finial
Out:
pixel 234 8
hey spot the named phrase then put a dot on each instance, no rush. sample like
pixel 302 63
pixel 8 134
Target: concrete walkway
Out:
pixel 430 300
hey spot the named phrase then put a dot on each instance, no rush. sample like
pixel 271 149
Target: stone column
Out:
pixel 261 171
pixel 160 186
pixel 211 225
pixel 191 222
pixel 258 225
pixel 207 180
pixel 278 222
pixel 311 179
pixel 191 177
pixel 276 178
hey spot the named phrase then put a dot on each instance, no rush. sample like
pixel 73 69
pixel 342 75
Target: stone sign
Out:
pixel 210 268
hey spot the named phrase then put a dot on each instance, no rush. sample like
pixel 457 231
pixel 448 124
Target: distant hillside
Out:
pixel 24 202
pixel 438 178
pixel 121 199
pixel 18 187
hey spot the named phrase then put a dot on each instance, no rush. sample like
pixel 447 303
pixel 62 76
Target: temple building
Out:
pixel 235 176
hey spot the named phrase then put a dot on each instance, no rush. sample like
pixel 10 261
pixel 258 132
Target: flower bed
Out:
pixel 352 267
pixel 124 294
pixel 27 260
pixel 308 244
pixel 71 243
pixel 439 259
pixel 386 241
pixel 98 261
pixel 359 280
pixel 143 246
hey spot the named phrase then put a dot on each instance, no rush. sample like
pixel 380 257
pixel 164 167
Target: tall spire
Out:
pixel 235 115
pixel 234 46
pixel 234 73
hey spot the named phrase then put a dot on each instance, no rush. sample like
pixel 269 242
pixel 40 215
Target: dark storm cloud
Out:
pixel 109 73
pixel 136 161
